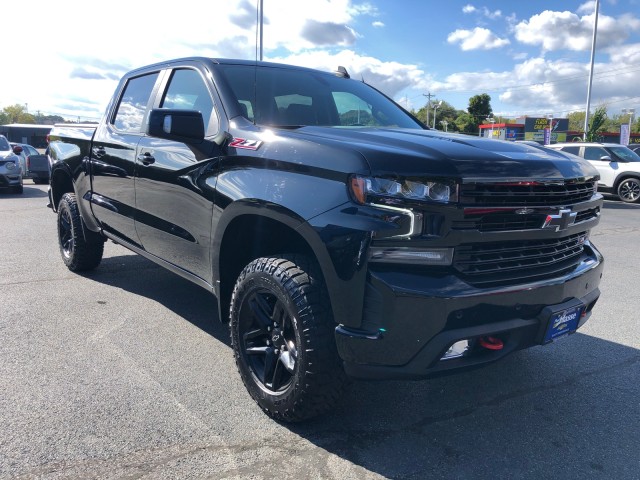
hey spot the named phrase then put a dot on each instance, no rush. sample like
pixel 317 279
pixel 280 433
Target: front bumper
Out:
pixel 10 180
pixel 411 320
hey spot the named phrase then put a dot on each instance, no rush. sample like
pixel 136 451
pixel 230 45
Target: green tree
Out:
pixel 480 107
pixel 466 123
pixel 576 121
pixel 597 123
pixel 17 114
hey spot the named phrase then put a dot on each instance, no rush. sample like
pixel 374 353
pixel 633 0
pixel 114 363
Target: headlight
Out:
pixel 391 191
pixel 413 256
pixel 10 165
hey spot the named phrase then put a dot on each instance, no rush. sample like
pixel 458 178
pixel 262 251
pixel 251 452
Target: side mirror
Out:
pixel 605 158
pixel 17 149
pixel 180 125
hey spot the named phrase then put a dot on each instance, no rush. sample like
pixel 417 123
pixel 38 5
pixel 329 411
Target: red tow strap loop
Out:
pixel 491 343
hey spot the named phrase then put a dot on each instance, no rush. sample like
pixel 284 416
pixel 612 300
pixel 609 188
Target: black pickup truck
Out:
pixel 341 237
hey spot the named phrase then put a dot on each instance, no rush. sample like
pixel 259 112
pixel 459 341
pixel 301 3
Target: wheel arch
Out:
pixel 625 176
pixel 249 230
pixel 61 182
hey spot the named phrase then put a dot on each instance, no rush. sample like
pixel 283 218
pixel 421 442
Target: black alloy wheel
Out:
pixel 268 340
pixel 282 334
pixel 77 252
pixel 629 190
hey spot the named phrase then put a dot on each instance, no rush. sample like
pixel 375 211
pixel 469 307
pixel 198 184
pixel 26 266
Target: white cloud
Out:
pixel 566 30
pixel 377 24
pixel 476 39
pixel 484 11
pixel 80 67
pixel 389 77
pixel 538 85
pixel 587 7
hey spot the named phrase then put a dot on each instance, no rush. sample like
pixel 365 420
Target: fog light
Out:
pixel 456 350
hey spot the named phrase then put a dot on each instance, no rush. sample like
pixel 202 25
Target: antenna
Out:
pixel 342 72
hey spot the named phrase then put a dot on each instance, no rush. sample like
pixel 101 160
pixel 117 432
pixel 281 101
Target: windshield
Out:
pixel 625 154
pixel 4 144
pixel 295 98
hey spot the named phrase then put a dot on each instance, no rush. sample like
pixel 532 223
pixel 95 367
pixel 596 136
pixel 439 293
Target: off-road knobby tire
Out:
pixel 78 254
pixel 292 284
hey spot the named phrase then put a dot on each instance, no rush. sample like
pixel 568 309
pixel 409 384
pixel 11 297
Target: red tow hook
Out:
pixel 491 343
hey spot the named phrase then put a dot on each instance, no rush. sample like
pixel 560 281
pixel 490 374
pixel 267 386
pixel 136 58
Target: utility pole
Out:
pixel 428 95
pixel 593 54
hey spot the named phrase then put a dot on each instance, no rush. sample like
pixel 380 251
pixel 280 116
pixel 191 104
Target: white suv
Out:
pixel 618 165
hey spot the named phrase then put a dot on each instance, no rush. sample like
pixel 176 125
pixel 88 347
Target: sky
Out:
pixel 532 57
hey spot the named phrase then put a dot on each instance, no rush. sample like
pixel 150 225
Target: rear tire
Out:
pixel 78 254
pixel 282 333
pixel 629 190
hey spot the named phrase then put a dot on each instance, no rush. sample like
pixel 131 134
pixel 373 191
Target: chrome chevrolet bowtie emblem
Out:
pixel 561 221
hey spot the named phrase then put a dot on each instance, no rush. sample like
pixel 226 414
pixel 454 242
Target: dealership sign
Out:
pixel 534 129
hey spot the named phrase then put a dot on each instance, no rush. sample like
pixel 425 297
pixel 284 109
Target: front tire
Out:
pixel 629 190
pixel 78 254
pixel 282 333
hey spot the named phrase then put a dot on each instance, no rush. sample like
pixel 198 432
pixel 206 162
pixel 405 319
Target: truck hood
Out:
pixel 408 152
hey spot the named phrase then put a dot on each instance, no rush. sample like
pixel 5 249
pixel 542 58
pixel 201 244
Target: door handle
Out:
pixel 146 158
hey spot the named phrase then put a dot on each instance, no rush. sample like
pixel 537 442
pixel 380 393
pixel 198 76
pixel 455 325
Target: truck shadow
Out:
pixel 140 276
pixel 567 410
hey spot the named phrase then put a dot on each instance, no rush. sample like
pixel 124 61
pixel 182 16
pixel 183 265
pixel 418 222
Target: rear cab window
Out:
pixel 129 116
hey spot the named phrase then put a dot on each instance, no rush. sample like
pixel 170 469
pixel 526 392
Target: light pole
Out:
pixel 631 112
pixel 593 55
pixel 435 112
pixel 444 123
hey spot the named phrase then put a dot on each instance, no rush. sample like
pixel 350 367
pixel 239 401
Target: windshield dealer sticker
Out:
pixel 246 144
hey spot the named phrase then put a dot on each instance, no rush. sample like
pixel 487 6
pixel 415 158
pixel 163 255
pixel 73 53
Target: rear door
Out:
pixel 175 181
pixel 113 157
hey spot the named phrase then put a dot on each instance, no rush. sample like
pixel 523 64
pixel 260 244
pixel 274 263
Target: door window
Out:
pixel 574 150
pixel 595 153
pixel 187 91
pixel 133 103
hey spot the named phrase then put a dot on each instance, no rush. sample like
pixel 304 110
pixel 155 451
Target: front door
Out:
pixel 174 200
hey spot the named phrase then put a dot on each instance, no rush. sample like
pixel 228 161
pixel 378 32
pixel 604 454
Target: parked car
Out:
pixel 635 147
pixel 10 170
pixel 34 164
pixel 619 166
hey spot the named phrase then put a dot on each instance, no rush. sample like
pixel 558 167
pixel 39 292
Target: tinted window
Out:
pixel 574 150
pixel 625 154
pixel 4 144
pixel 187 91
pixel 595 153
pixel 133 103
pixel 286 97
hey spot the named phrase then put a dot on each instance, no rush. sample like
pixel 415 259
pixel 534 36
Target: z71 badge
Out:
pixel 246 144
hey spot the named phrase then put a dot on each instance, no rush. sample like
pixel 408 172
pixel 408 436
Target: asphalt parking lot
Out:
pixel 125 372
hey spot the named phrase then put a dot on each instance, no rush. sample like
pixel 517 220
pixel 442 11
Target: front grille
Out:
pixel 527 193
pixel 510 261
pixel 587 215
pixel 501 222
